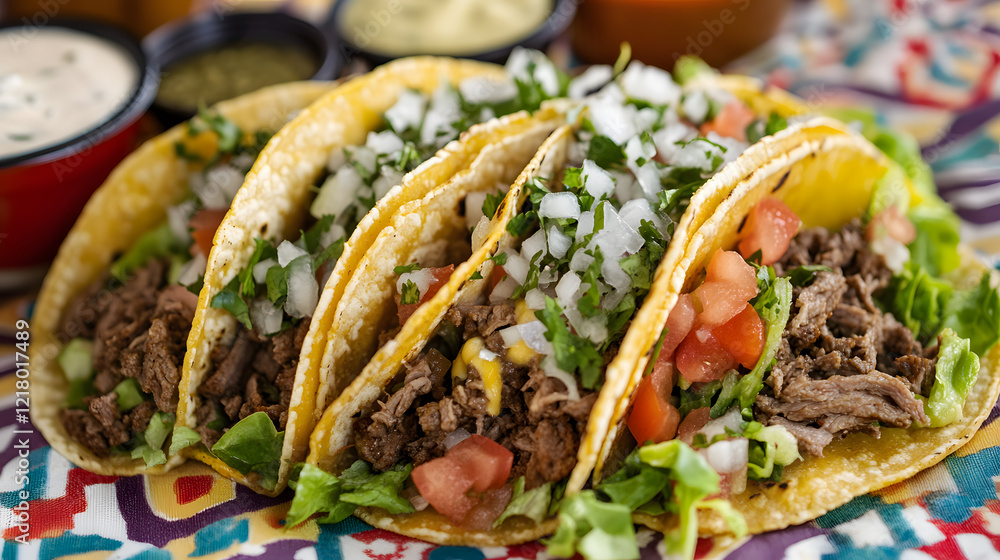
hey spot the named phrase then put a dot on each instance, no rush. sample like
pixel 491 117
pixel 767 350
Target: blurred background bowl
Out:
pixel 43 191
pixel 555 24
pixel 661 31
pixel 187 39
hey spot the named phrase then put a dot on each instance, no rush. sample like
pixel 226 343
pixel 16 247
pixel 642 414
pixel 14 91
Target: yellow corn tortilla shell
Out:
pixel 827 181
pixel 334 433
pixel 132 201
pixel 273 204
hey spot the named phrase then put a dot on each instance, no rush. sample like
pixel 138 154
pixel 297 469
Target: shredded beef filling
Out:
pixel 255 374
pixel 843 366
pixel 139 331
pixel 536 422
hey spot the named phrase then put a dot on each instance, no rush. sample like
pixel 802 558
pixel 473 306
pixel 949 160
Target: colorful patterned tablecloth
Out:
pixel 932 68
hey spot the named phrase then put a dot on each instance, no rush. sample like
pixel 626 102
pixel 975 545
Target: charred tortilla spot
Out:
pixel 263 229
pixel 781 182
pixel 742 225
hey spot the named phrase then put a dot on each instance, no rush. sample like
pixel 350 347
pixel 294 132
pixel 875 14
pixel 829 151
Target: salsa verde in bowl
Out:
pixel 71 97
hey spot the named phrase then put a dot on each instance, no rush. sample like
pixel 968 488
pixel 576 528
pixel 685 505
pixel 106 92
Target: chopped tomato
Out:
pixel 439 276
pixel 770 227
pixel 203 225
pixel 743 336
pixel 652 417
pixel 489 507
pixel 444 482
pixel 486 461
pixel 701 358
pixel 729 266
pixel 893 223
pixel 693 423
pixel 721 300
pixel 732 121
pixel 678 325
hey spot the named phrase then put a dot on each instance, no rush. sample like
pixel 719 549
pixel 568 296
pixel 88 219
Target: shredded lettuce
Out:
pixel 252 444
pixel 148 444
pixel 936 245
pixel 181 438
pixel 778 448
pixel 317 491
pixel 533 504
pixel 128 394
pixel 689 67
pixel 154 244
pixel 77 359
pixel 954 375
pixel 596 529
pixel 927 305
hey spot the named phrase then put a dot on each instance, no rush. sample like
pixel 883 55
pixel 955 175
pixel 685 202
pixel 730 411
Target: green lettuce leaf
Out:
pixel 954 375
pixel 160 425
pixel 154 244
pixel 129 394
pixel 183 437
pixel 77 359
pixel 252 444
pixel 597 530
pixel 317 491
pixel 533 504
pixel 975 314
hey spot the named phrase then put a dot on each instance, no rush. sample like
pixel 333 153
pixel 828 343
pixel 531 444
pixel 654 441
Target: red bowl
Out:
pixel 43 192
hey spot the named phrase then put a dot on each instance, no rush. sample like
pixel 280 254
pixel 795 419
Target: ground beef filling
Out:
pixel 843 365
pixel 139 331
pixel 255 374
pixel 536 421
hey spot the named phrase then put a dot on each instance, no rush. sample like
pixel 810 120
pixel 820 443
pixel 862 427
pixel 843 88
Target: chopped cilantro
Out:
pixel 410 294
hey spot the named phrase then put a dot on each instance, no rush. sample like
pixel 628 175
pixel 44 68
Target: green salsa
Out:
pixel 212 76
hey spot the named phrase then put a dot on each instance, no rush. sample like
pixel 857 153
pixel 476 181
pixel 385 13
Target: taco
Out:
pixel 819 339
pixel 252 378
pixel 114 311
pixel 484 414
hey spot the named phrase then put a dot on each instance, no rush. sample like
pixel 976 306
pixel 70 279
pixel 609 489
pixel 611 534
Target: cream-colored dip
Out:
pixel 57 83
pixel 449 27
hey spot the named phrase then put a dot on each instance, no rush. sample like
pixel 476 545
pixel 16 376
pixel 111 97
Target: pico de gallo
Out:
pixel 485 424
pixel 124 349
pixel 799 338
pixel 275 295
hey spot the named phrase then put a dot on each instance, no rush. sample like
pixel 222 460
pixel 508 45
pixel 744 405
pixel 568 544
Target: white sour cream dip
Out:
pixel 449 27
pixel 57 83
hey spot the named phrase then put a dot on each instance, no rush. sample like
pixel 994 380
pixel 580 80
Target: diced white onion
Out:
pixel 407 112
pixel 511 336
pixel 336 160
pixel 581 261
pixel 895 253
pixel 558 242
pixel 331 235
pixel 634 212
pixel 695 107
pixel 480 89
pixel 610 118
pixel 535 299
pixel 418 502
pixel 303 290
pixel 533 334
pixel 636 150
pixel 455 438
pixel 516 267
pixel 667 137
pixel 288 251
pixel 388 177
pixel 597 181
pixel 591 79
pixel 728 456
pixel 648 177
pixel 444 111
pixel 365 157
pixel 548 275
pixel 385 142
pixel 503 290
pixel 474 208
pixel 615 276
pixel 559 205
pixel 650 84
pixel 617 238
pixel 339 191
pixel 696 154
pixel 421 278
pixel 260 270
pixel 733 146
pixel 534 245
pixel 227 179
pixel 647 118
pixel 265 316
pixel 191 270
pixel 567 288
pixel 551 369
pixel 732 419
pixel 584 225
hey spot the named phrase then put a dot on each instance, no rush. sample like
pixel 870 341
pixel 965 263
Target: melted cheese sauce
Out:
pixel 57 83
pixel 448 27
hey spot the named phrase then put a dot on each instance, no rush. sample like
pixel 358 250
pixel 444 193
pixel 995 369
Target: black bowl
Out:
pixel 557 22
pixel 192 35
